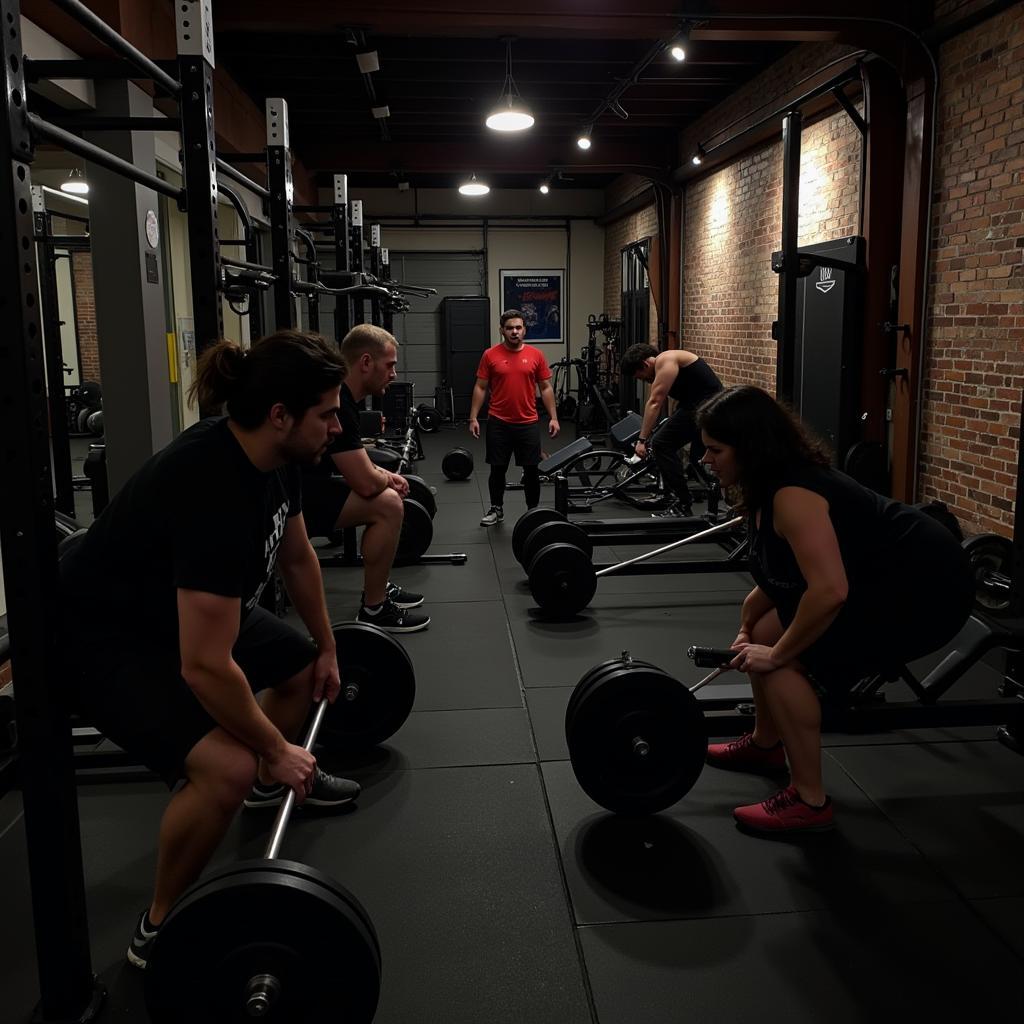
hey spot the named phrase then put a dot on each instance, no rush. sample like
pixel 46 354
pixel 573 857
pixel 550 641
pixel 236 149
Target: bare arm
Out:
pixel 547 396
pixel 477 401
pixel 207 631
pixel 802 520
pixel 365 478
pixel 665 373
pixel 300 570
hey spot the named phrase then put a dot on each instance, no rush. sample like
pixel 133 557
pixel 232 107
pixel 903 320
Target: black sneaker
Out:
pixel 142 942
pixel 674 511
pixel 393 619
pixel 495 514
pixel 403 598
pixel 327 791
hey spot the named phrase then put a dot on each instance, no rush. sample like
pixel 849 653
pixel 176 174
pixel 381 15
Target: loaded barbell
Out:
pixel 563 579
pixel 275 939
pixel 637 737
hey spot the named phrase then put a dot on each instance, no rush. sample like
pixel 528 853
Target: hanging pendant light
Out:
pixel 75 184
pixel 511 114
pixel 474 187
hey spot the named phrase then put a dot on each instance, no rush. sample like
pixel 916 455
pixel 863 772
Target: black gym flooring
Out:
pixel 500 892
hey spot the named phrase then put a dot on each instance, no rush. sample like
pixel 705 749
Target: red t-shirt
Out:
pixel 513 377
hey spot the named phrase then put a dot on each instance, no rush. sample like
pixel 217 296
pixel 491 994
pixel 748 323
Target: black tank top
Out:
pixel 878 537
pixel 693 384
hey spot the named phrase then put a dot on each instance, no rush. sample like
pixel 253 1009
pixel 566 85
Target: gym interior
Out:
pixel 826 205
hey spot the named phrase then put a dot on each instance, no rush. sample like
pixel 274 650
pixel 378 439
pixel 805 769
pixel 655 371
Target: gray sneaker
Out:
pixel 327 791
pixel 495 514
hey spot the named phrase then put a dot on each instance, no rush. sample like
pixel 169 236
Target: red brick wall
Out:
pixel 975 332
pixel 85 316
pixel 733 222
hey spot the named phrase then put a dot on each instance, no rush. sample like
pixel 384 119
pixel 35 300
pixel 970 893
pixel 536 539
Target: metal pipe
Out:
pixel 73 144
pixel 102 31
pixel 285 810
pixel 237 176
pixel 728 525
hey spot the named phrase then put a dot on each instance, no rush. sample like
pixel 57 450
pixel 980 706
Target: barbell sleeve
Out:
pixel 669 547
pixel 285 810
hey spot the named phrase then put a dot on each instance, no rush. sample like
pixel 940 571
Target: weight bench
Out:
pixel 553 463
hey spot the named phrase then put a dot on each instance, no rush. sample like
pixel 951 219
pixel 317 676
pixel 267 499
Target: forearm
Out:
pixel 225 693
pixel 755 605
pixel 651 412
pixel 547 396
pixel 304 583
pixel 817 611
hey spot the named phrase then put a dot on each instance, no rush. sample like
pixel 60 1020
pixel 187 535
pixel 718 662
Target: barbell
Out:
pixel 278 940
pixel 637 737
pixel 563 580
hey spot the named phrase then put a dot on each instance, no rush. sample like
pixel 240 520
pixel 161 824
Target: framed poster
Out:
pixel 538 293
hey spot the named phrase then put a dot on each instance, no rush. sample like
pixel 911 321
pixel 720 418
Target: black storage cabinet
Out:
pixel 465 336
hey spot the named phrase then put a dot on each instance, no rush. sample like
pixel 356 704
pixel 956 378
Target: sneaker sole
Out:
pixel 782 833
pixel 401 629
pixel 308 802
pixel 135 960
pixel 406 605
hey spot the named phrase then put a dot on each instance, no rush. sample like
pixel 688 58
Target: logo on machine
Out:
pixel 826 284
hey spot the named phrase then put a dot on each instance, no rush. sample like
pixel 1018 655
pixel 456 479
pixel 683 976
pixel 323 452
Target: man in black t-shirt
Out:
pixel 347 489
pixel 685 377
pixel 172 645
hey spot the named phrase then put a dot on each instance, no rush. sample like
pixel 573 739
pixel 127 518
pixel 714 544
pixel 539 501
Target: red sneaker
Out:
pixel 744 755
pixel 785 812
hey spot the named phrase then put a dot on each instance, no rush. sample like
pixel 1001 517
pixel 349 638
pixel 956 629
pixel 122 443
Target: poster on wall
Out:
pixel 538 293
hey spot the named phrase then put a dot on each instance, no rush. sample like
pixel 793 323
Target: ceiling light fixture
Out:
pixel 76 184
pixel 584 140
pixel 65 195
pixel 680 44
pixel 511 114
pixel 380 112
pixel 698 157
pixel 545 188
pixel 368 62
pixel 474 187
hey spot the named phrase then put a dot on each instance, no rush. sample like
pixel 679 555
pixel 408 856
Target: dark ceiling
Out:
pixel 441 72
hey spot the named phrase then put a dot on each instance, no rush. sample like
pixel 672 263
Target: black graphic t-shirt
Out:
pixel 197 515
pixel 349 440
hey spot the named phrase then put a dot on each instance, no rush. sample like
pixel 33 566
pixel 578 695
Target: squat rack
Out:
pixel 69 990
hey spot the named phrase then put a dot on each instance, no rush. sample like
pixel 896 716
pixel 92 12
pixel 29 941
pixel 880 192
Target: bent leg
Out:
pixel 677 431
pixel 382 516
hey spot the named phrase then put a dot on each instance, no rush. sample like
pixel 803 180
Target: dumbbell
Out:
pixel 637 737
pixel 458 464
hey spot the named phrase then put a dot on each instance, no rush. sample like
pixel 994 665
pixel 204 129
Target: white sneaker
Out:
pixel 495 514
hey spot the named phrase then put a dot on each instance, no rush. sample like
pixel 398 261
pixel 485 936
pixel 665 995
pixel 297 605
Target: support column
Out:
pixel 342 255
pixel 279 182
pixel 130 313
pixel 784 329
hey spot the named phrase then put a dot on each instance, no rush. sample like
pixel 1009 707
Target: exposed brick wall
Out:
pixel 733 222
pixel 85 316
pixel 974 368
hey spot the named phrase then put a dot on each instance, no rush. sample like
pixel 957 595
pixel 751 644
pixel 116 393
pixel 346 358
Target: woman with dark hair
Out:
pixel 849 583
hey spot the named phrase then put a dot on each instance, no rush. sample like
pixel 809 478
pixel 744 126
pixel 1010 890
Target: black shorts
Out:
pixel 505 439
pixel 132 691
pixel 323 498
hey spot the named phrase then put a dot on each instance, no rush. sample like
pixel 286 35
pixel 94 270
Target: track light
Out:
pixel 680 45
pixel 698 157
pixel 474 187
pixel 380 112
pixel 76 184
pixel 368 62
pixel 584 140
pixel 511 114
pixel 545 188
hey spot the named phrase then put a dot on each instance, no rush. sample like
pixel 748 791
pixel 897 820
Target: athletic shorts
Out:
pixel 130 688
pixel 323 498
pixel 507 439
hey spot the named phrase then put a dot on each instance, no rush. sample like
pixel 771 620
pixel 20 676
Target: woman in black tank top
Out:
pixel 849 583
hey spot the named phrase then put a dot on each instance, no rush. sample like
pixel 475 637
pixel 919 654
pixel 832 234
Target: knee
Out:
pixel 229 778
pixel 389 507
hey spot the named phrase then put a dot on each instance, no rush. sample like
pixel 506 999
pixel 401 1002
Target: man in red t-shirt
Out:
pixel 515 372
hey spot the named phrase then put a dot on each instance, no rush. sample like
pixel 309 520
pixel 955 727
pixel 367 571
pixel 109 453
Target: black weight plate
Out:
pixel 417 532
pixel 279 918
pixel 376 664
pixel 590 678
pixel 527 523
pixel 988 552
pixel 637 703
pixel 556 533
pixel 428 419
pixel 562 580
pixel 419 490
pixel 457 464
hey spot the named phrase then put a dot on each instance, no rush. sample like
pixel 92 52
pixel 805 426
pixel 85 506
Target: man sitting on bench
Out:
pixel 685 377
pixel 364 494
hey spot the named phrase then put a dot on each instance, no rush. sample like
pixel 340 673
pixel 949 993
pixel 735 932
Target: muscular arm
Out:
pixel 547 396
pixel 207 631
pixel 365 478
pixel 802 520
pixel 476 403
pixel 300 570
pixel 665 373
